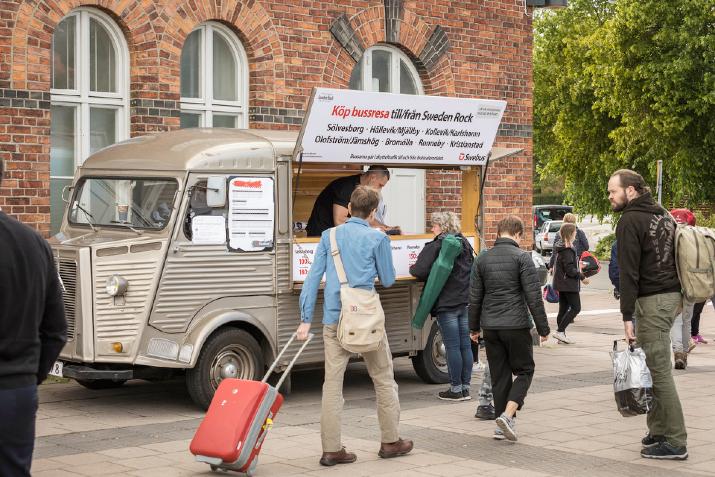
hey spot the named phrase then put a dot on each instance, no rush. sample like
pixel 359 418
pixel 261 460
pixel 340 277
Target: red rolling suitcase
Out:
pixel 239 417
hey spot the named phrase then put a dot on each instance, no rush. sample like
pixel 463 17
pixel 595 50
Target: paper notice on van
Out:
pixel 251 214
pixel 208 230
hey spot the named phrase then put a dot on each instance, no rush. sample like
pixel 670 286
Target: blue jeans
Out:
pixel 454 326
pixel 17 430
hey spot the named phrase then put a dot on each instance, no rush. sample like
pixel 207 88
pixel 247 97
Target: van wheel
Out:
pixel 228 353
pixel 100 383
pixel 431 363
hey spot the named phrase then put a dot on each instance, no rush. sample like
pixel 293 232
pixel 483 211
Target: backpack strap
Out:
pixel 335 252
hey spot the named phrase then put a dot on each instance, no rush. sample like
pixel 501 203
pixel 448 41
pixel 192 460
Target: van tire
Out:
pixel 231 349
pixel 428 363
pixel 101 383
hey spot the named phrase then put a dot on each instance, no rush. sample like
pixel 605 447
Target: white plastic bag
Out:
pixel 632 382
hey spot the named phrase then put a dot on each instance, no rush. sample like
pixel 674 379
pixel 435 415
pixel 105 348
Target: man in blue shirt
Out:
pixel 366 254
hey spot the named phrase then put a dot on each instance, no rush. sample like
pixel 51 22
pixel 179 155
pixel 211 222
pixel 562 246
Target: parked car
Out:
pixel 545 238
pixel 542 213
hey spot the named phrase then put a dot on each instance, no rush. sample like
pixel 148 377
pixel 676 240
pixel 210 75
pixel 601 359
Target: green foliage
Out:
pixel 624 83
pixel 603 247
pixel 703 220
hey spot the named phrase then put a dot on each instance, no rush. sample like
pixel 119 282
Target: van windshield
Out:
pixel 144 203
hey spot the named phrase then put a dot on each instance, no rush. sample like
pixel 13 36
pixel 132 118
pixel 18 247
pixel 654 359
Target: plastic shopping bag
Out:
pixel 632 382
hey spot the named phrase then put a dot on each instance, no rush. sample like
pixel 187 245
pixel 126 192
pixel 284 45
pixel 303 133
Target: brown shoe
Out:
pixel 395 449
pixel 341 457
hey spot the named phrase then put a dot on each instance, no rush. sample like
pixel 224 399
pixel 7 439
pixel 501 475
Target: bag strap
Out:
pixel 335 252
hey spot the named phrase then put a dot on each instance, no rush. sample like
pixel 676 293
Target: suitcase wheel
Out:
pixel 252 468
pixel 215 468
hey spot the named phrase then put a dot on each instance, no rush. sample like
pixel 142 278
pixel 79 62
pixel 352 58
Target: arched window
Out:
pixel 214 79
pixel 386 69
pixel 89 95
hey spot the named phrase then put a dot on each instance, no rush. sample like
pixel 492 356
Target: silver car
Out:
pixel 546 236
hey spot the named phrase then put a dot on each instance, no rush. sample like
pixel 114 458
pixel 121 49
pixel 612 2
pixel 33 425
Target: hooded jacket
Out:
pixel 567 273
pixel 32 317
pixel 455 292
pixel 504 289
pixel 646 252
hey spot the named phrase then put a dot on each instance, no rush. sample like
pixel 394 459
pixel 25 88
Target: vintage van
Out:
pixel 176 254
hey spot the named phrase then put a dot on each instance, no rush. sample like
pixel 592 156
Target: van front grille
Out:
pixel 68 274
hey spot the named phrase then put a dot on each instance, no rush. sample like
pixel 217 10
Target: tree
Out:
pixel 624 83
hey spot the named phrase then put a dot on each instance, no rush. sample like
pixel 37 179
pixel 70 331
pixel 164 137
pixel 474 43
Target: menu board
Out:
pixel 250 214
pixel 368 127
pixel 404 254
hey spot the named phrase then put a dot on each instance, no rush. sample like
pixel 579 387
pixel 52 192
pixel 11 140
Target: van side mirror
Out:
pixel 216 191
pixel 67 193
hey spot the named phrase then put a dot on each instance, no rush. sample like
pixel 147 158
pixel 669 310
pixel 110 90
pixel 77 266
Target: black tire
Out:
pixel 101 383
pixel 431 363
pixel 229 352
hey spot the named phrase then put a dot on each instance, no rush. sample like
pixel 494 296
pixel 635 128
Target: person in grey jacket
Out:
pixel 504 288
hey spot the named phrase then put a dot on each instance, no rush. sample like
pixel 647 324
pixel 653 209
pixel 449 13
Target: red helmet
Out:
pixel 683 216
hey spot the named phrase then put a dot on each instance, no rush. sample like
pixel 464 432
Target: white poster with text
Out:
pixel 366 127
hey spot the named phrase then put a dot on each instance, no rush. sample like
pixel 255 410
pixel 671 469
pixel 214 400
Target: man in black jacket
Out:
pixel 504 288
pixel 650 287
pixel 32 333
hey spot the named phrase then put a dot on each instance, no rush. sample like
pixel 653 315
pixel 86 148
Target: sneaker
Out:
pixel 680 359
pixel 485 413
pixel 561 337
pixel 449 395
pixel 507 427
pixel 476 367
pixel 691 345
pixel 699 339
pixel 465 395
pixel 664 450
pixel 498 434
pixel 650 441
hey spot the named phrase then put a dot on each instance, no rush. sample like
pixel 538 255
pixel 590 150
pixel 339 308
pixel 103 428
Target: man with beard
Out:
pixel 650 287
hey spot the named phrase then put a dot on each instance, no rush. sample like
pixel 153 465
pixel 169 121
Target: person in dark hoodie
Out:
pixel 504 289
pixel 451 305
pixel 32 332
pixel 567 278
pixel 649 285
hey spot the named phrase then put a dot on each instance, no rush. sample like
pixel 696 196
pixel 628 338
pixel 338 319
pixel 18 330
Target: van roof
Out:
pixel 196 149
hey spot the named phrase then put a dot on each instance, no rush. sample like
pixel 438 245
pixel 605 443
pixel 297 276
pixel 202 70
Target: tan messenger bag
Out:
pixel 362 321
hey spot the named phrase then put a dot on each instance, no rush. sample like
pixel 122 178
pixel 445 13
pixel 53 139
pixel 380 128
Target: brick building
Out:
pixel 78 75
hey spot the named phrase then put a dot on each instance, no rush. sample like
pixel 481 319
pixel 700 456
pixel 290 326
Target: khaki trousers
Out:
pixel 656 314
pixel 379 366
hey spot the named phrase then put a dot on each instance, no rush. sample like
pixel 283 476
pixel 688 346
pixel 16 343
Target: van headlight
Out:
pixel 116 285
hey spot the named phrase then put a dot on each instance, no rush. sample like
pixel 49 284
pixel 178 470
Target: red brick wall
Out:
pixel 290 50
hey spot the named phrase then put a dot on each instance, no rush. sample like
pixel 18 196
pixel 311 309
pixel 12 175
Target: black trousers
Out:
pixel 695 323
pixel 17 430
pixel 569 307
pixel 509 352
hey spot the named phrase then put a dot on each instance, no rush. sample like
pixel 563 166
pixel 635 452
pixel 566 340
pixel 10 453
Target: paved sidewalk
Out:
pixel 569 425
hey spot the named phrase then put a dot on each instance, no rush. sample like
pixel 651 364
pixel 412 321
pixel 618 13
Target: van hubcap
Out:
pixel 439 353
pixel 232 362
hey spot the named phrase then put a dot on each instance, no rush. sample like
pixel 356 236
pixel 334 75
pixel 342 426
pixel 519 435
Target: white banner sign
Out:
pixel 365 127
pixel 404 255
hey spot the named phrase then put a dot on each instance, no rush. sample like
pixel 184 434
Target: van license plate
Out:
pixel 57 369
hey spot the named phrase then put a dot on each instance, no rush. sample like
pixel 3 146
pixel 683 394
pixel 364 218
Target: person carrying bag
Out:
pixel 361 325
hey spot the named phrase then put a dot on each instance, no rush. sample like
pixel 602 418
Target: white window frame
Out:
pixel 81 97
pixel 397 55
pixel 205 106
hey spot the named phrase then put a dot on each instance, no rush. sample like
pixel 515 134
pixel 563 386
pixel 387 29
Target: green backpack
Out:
pixel 438 275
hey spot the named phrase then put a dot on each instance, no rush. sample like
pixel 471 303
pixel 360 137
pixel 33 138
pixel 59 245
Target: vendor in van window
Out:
pixel 331 206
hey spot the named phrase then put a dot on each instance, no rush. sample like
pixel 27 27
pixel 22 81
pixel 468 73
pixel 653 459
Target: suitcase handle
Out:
pixel 292 362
